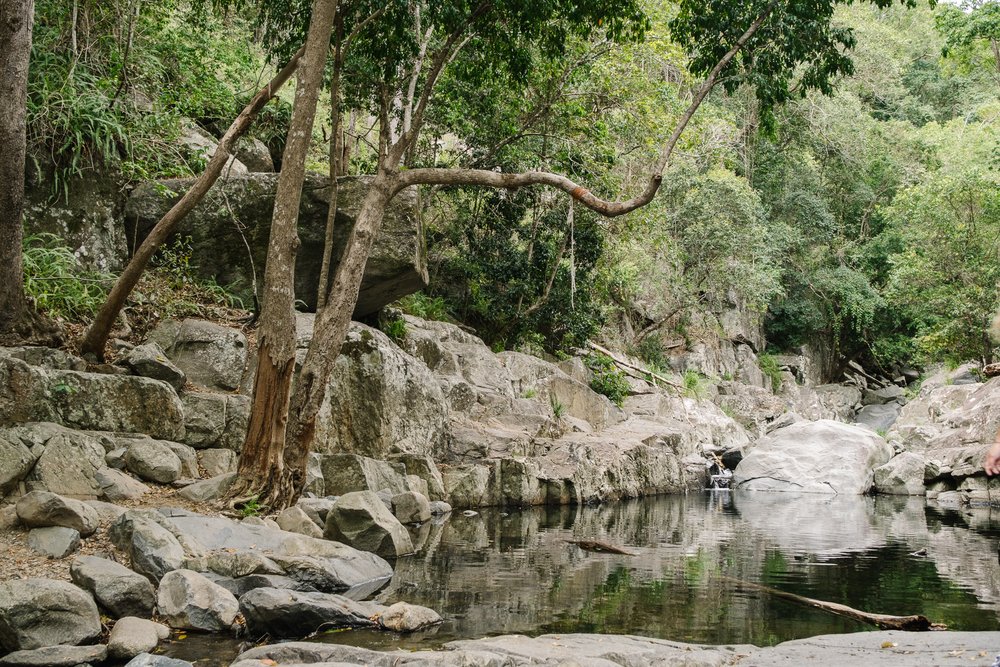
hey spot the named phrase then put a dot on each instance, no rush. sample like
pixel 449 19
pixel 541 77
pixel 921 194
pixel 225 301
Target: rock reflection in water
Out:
pixel 499 573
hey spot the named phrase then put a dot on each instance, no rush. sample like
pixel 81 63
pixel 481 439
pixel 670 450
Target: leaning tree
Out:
pixel 779 48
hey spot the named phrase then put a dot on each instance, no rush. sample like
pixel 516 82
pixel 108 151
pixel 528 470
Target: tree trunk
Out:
pixel 260 467
pixel 336 150
pixel 329 331
pixel 96 337
pixel 18 321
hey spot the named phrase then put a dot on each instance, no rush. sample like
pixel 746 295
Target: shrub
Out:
pixel 56 281
pixel 768 364
pixel 607 380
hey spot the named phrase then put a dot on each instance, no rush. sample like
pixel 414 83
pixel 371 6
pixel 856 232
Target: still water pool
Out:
pixel 516 571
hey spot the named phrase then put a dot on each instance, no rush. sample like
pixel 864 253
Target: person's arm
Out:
pixel 992 461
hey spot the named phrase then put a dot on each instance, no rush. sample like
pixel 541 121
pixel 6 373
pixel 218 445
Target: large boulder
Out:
pixel 68 461
pixel 35 613
pixel 813 457
pixel 131 636
pixel 903 475
pixel 56 656
pixel 397 265
pixel 42 509
pixel 924 417
pixel 117 589
pixel 88 401
pixel 343 473
pixel 362 520
pixel 191 601
pixel 16 461
pixel 210 354
pixel 285 613
pixel 153 460
pixel 380 401
pixel 54 541
pixel 153 550
pixel 149 360
pixel 215 420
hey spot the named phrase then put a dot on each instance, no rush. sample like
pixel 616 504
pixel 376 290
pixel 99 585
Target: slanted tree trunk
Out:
pixel 18 320
pixel 336 157
pixel 96 337
pixel 260 471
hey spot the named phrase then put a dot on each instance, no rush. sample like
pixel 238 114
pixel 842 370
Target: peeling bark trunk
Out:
pixel 16 18
pixel 261 468
pixel 96 338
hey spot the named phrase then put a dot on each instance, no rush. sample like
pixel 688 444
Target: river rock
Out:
pixel 54 542
pixel 208 489
pixel 295 520
pixel 405 617
pixel 16 461
pixel 187 599
pixel 153 460
pixel 813 457
pixel 35 613
pixel 56 656
pixel 153 549
pixel 284 613
pixel 149 660
pixel 217 461
pixel 397 265
pixel 380 401
pixel 316 508
pixel 903 475
pixel 117 486
pixel 210 354
pixel 411 507
pixel 343 473
pixel 361 520
pixel 65 461
pixel 131 636
pixel 149 360
pixel 117 589
pixel 43 509
pixel 89 401
pixel 878 417
pixel 215 420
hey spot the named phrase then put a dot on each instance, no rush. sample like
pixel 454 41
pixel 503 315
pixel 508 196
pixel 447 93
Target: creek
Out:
pixel 503 572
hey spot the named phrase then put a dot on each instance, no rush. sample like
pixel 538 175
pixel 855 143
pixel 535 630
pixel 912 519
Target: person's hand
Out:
pixel 992 461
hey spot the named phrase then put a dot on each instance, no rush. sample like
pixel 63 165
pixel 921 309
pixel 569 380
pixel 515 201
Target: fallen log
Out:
pixel 600 547
pixel 916 622
pixel 645 373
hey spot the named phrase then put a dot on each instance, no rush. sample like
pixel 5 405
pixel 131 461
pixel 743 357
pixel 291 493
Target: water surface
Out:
pixel 505 572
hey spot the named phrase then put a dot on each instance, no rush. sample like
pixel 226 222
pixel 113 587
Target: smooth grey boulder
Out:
pixel 322 564
pixel 131 636
pixel 343 473
pixel 439 507
pixel 40 509
pixel 405 617
pixel 878 417
pixel 397 265
pixel 188 457
pixel 411 507
pixel 215 420
pixel 117 486
pixel 361 520
pixel 35 613
pixel 295 520
pixel 253 153
pixel 887 394
pixel 903 475
pixel 16 461
pixel 208 489
pixel 153 461
pixel 187 599
pixel 149 660
pixel 210 354
pixel 56 656
pixel 285 613
pixel 64 461
pixel 317 508
pixel 217 461
pixel 89 401
pixel 54 542
pixel 118 590
pixel 153 549
pixel 813 457
pixel 149 360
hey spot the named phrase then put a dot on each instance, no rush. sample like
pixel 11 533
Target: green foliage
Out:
pixel 692 381
pixel 251 507
pixel 55 280
pixel 558 409
pixel 425 307
pixel 768 364
pixel 394 328
pixel 607 379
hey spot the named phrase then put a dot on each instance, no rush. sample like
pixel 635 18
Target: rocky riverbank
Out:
pixel 108 474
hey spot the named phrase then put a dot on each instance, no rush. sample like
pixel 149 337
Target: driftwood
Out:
pixel 916 622
pixel 991 370
pixel 628 366
pixel 601 547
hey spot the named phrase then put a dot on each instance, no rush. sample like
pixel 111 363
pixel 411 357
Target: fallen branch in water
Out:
pixel 884 621
pixel 593 545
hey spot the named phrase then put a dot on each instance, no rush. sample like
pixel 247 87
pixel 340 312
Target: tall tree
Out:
pixel 799 49
pixel 18 320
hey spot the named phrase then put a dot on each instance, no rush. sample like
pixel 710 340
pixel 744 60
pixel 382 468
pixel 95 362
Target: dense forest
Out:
pixel 831 171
